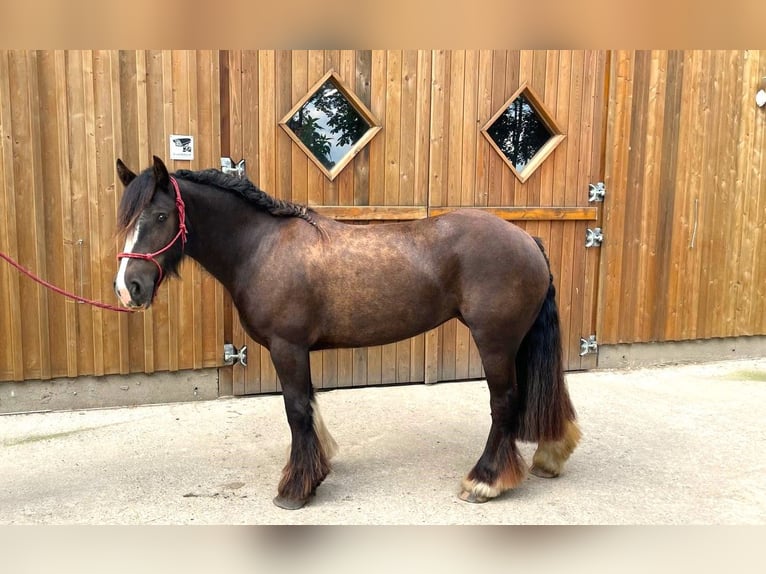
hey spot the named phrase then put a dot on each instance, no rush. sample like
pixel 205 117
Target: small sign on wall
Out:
pixel 181 147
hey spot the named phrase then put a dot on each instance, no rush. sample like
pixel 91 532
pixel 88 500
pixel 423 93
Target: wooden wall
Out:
pixel 676 136
pixel 429 158
pixel 65 116
pixel 685 253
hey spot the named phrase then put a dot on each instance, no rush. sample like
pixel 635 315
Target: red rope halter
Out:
pixel 181 207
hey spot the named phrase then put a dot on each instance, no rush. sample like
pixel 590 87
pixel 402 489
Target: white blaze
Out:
pixel 120 286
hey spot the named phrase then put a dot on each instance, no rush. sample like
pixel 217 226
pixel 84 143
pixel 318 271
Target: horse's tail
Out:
pixel 545 406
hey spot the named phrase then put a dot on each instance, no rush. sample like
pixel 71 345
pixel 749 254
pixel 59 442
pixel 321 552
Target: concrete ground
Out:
pixel 669 445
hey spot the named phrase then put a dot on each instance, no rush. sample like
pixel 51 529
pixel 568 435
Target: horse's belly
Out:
pixel 383 320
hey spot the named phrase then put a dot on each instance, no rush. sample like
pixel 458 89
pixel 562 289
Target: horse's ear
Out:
pixel 125 175
pixel 161 175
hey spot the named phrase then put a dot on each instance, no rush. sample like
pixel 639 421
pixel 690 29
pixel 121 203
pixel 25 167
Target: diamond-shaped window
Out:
pixel 330 124
pixel 523 132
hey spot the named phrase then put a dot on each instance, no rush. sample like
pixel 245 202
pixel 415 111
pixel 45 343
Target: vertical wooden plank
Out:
pixel 76 133
pixel 497 167
pixel 408 122
pixel 481 108
pixel 682 191
pixel 484 111
pixel 740 145
pixel 703 209
pixel 594 160
pixel 722 163
pixel 57 251
pixel 361 86
pixel 393 125
pixel 25 168
pixel 437 192
pixel 171 304
pixel 667 191
pixel 282 145
pixel 751 251
pixel 243 144
pixel 157 329
pixel 345 179
pixel 580 147
pixel 298 159
pixel 547 175
pixel 182 310
pixel 636 192
pixel 422 127
pixel 193 330
pixel 455 127
pixel 757 222
pixel 456 334
pixel 615 178
pixel 267 165
pixel 519 68
pixel 105 92
pixel 133 113
pixel 438 185
pixel 559 246
pixel 211 292
pixel 11 293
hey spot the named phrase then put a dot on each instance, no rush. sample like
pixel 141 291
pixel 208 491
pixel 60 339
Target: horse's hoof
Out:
pixel 541 472
pixel 288 504
pixel 467 496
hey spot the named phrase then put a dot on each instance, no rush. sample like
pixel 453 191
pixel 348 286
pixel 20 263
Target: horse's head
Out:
pixel 151 215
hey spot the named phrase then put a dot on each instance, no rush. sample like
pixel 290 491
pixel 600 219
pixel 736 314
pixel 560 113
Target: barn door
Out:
pixel 520 134
pixel 431 155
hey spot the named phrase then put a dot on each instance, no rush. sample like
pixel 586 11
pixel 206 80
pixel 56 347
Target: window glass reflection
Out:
pixel 519 132
pixel 328 124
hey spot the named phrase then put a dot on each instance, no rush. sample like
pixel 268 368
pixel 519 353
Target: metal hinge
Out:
pixel 231 355
pixel 228 166
pixel 589 345
pixel 596 192
pixel 594 237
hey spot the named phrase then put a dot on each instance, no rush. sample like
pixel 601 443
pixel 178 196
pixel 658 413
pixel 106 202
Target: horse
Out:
pixel 303 282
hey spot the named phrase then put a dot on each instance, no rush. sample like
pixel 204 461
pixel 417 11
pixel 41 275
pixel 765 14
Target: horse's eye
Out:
pixel 161 217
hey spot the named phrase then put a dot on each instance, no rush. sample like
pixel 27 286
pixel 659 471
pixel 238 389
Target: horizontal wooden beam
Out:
pixel 371 212
pixel 531 213
pixel 406 212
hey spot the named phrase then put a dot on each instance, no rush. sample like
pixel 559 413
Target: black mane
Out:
pixel 248 191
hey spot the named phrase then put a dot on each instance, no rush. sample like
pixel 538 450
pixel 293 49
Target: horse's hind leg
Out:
pixel 500 466
pixel 312 446
pixel 550 456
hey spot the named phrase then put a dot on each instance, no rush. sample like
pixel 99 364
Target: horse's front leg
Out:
pixel 312 446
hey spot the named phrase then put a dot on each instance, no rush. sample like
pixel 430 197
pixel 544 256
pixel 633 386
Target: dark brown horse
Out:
pixel 303 282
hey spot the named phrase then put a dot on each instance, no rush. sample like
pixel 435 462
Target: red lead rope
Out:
pixel 60 291
pixel 148 256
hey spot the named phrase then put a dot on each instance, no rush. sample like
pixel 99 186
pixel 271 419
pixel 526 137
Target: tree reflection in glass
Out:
pixel 519 132
pixel 328 124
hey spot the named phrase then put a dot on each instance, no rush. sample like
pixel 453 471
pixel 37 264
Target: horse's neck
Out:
pixel 223 230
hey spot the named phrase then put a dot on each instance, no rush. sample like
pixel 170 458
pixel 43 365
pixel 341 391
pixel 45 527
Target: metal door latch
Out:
pixel 596 192
pixel 228 166
pixel 594 237
pixel 231 355
pixel 589 345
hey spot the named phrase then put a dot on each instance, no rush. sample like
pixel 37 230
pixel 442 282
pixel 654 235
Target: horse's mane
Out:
pixel 250 192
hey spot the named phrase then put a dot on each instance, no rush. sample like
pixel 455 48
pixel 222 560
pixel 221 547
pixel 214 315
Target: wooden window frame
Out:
pixel 362 109
pixel 557 134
